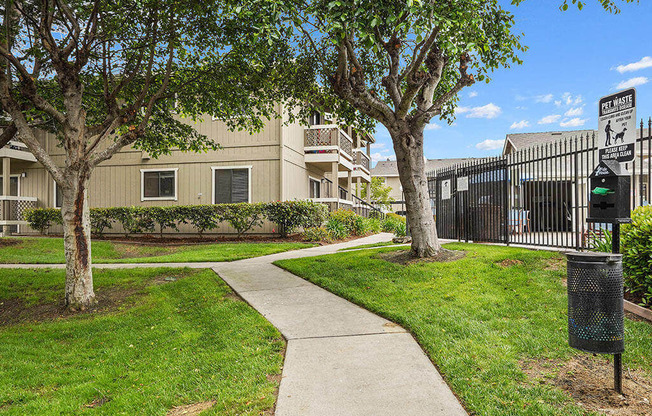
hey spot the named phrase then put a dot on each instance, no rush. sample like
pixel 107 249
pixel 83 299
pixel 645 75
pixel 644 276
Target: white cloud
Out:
pixel 573 122
pixel 520 125
pixel 432 126
pixel 473 94
pixel 632 82
pixel 490 110
pixel 490 144
pixel 568 99
pixel 376 157
pixel 574 112
pixel 378 145
pixel 645 62
pixel 543 98
pixel 553 118
pixel 558 103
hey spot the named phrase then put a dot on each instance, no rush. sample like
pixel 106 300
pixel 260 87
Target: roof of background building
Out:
pixel 525 140
pixel 389 167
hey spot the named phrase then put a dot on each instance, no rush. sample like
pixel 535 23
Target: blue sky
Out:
pixel 574 58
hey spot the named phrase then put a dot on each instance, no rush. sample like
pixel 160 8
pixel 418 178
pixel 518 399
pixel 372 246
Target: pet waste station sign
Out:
pixel 617 126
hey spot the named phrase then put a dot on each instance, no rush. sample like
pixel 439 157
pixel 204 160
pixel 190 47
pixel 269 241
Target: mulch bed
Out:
pixel 7 242
pixel 404 258
pixel 589 381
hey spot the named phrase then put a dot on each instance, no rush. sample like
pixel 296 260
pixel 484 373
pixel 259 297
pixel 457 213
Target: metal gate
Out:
pixel 471 201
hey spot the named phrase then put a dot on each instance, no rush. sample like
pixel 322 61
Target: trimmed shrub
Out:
pixel 165 217
pixel 243 216
pixel 41 219
pixel 134 220
pixel 394 223
pixel 100 220
pixel 292 215
pixel 201 217
pixel 316 234
pixel 636 240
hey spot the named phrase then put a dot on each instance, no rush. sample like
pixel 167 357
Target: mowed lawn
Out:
pixel 50 250
pixel 174 337
pixel 478 318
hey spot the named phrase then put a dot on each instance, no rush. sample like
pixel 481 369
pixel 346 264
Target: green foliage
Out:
pixel 317 234
pixel 336 229
pixel 353 223
pixel 379 192
pixel 243 216
pixel 394 223
pixel 41 219
pixel 372 225
pixel 610 6
pixel 636 239
pixel 601 240
pixel 100 220
pixel 164 217
pixel 291 215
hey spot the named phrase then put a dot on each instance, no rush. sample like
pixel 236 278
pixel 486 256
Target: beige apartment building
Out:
pixel 322 162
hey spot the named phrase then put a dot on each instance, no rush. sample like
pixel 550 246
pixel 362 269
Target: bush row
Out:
pixel 289 216
pixel 342 224
pixel 636 240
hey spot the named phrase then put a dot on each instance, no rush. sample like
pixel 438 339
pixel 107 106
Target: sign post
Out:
pixel 617 126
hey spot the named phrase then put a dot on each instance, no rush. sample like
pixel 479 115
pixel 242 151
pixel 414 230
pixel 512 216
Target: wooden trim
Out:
pixel 165 198
pixel 640 311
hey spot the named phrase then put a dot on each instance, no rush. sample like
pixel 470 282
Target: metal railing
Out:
pixel 365 209
pixel 535 196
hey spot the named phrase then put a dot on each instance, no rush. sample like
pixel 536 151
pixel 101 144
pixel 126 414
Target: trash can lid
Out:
pixel 594 257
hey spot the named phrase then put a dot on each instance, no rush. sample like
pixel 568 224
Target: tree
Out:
pixel 402 63
pixel 102 75
pixel 379 192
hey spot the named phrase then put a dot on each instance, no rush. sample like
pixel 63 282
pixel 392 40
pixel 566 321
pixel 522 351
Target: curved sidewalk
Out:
pixel 341 359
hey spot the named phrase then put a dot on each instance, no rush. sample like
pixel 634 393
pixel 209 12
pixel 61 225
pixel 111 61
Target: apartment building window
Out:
pixel 316 118
pixel 58 195
pixel 158 184
pixel 231 184
pixel 315 188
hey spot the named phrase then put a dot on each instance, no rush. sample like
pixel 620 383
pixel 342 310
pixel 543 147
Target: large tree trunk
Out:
pixel 77 244
pixel 408 146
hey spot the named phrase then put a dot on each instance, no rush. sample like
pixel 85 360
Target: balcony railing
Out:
pixel 328 137
pixel 362 159
pixel 12 208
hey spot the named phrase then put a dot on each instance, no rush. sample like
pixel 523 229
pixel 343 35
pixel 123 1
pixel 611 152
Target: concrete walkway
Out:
pixel 341 359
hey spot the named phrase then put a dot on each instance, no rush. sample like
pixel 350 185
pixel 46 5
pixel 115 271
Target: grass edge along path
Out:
pixel 46 250
pixel 182 337
pixel 478 319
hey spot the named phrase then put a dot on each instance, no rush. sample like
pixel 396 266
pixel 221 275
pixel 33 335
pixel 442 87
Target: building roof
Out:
pixel 520 141
pixel 389 167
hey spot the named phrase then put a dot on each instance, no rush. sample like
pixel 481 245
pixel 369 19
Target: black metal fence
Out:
pixel 535 196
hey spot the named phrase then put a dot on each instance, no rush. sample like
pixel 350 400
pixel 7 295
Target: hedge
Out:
pixel 289 217
pixel 636 241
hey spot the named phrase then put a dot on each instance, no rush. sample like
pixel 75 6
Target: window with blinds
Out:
pixel 315 188
pixel 231 186
pixel 159 184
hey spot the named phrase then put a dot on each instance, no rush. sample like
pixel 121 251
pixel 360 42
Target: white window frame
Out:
pixel 159 198
pixel 214 168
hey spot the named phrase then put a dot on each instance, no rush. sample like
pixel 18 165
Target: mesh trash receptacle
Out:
pixel 595 302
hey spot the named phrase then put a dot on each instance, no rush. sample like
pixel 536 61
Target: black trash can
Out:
pixel 595 302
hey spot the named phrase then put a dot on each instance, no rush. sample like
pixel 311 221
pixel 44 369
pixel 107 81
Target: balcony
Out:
pixel 17 150
pixel 325 144
pixel 12 209
pixel 331 198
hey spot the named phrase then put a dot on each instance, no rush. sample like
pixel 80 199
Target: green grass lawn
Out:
pixel 476 318
pixel 50 250
pixel 170 343
pixel 372 245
